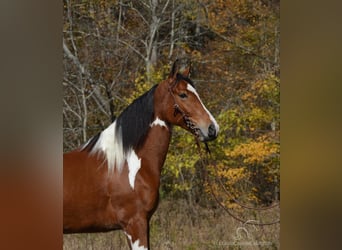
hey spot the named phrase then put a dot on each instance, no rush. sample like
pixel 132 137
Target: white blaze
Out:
pixel 193 90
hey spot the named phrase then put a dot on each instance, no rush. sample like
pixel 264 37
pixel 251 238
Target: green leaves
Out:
pixel 180 164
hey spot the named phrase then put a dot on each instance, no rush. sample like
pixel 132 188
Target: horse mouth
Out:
pixel 199 134
pixel 205 135
pixel 202 137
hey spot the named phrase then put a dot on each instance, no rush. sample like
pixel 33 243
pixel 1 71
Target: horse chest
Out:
pixel 139 192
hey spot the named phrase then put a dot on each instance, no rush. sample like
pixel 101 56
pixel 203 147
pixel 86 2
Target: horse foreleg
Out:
pixel 137 232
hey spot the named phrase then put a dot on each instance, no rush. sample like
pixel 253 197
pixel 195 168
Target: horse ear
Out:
pixel 187 71
pixel 174 69
pixel 178 67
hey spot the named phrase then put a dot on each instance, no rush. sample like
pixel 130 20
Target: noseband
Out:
pixel 188 123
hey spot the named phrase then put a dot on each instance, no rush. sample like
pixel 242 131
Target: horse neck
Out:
pixel 158 138
pixel 156 146
pixel 163 102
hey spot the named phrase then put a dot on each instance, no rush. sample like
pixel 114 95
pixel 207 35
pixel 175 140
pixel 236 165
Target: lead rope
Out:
pixel 205 162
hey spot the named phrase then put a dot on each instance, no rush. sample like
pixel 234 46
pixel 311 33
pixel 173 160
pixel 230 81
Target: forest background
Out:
pixel 116 50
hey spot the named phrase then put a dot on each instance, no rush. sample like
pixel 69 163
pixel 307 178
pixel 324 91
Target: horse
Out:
pixel 112 181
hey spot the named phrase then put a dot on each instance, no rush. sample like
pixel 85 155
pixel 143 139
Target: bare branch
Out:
pixel 71 110
pixel 133 49
pixel 141 16
pixel 72 57
pixel 99 99
pixel 165 6
pixel 71 24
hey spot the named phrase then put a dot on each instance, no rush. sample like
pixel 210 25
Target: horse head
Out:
pixel 185 107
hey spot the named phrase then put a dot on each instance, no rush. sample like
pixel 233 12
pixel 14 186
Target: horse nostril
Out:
pixel 212 131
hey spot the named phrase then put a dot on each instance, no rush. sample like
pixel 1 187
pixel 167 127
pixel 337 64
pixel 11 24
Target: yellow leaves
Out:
pixel 247 96
pixel 142 85
pixel 180 161
pixel 140 89
pixel 232 184
pixel 261 86
pixel 248 160
pixel 250 168
pixel 257 116
pixel 233 174
pixel 254 152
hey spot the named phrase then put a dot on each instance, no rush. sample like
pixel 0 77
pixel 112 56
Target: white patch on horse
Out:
pixel 110 143
pixel 158 122
pixel 134 164
pixel 193 90
pixel 135 245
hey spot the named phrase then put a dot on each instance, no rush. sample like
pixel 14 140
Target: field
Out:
pixel 176 225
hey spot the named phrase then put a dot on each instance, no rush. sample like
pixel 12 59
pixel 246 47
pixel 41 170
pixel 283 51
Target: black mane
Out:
pixel 135 120
pixel 133 123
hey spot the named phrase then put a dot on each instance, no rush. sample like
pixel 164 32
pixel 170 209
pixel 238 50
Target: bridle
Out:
pixel 187 121
pixel 186 118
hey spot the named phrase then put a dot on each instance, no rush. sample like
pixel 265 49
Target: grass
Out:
pixel 176 225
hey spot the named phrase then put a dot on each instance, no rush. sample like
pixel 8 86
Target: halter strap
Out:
pixel 189 124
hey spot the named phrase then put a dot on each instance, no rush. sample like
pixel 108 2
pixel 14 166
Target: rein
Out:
pixel 204 163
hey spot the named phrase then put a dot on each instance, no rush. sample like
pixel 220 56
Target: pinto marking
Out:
pixel 110 144
pixel 158 122
pixel 135 244
pixel 134 164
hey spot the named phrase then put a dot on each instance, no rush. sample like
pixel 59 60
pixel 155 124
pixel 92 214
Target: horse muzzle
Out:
pixel 208 134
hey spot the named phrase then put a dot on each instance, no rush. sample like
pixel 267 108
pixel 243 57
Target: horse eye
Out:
pixel 183 95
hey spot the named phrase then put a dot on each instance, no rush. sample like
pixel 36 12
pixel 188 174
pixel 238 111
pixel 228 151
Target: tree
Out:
pixel 115 50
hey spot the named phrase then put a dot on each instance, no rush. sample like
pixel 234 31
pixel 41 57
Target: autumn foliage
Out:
pixel 115 50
